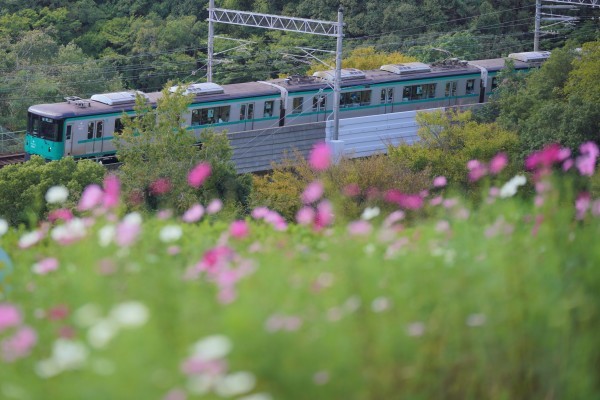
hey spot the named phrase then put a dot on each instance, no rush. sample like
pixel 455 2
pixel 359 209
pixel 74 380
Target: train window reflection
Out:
pixel 470 89
pixel 417 92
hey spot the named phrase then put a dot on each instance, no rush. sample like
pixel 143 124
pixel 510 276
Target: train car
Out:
pixel 86 128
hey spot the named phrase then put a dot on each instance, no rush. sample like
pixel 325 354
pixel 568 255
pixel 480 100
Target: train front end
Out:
pixel 44 136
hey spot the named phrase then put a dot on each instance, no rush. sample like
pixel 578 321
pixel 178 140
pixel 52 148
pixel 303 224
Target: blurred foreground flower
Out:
pixel 320 157
pixel 57 194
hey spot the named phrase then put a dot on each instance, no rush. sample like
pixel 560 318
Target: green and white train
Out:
pixel 86 128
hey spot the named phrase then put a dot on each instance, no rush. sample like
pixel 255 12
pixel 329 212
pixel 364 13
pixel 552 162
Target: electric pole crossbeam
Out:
pixel 289 24
pixel 592 3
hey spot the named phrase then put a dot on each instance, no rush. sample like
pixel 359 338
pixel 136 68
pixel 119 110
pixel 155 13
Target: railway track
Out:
pixel 14 158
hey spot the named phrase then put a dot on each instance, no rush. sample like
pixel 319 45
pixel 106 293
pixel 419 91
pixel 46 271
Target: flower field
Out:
pixel 444 297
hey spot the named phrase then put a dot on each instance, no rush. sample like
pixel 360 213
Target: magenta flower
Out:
pixel 196 365
pixel 498 163
pixel 60 214
pixel 439 181
pixel 19 345
pixel 260 212
pixel 477 170
pixel 406 201
pixel 91 197
pixel 313 192
pixel 112 191
pixel 324 216
pixel 586 162
pixel 160 186
pixel 352 190
pixel 44 266
pixel 128 230
pixel 544 158
pixel 9 316
pixel 276 220
pixel 194 214
pixel 239 229
pixel 199 174
pixel 320 157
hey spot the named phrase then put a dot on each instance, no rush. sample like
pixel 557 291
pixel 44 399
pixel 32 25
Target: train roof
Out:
pixel 108 103
pixel 119 102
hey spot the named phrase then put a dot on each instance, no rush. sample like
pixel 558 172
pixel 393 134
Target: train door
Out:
pixel 68 140
pixel 247 116
pixel 319 107
pixel 95 133
pixel 450 92
pixel 387 99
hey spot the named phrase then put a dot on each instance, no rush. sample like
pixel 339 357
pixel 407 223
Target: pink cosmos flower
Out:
pixel 196 365
pixel 9 316
pixel 305 216
pixel 90 198
pixel 60 214
pixel 352 190
pixel 568 164
pixel 596 208
pixel 406 201
pixel 582 204
pixel 324 216
pixel 112 191
pixel 19 345
pixel 44 266
pixel 199 174
pixel 239 229
pixel 313 192
pixel 260 212
pixel 58 313
pixel 436 201
pixel 164 214
pixel 393 218
pixel 498 163
pixel 544 158
pixel 175 394
pixel 194 214
pixel 477 170
pixel 359 228
pixel 160 186
pixel 128 230
pixel 276 220
pixel 439 181
pixel 320 157
pixel 586 162
pixel 214 206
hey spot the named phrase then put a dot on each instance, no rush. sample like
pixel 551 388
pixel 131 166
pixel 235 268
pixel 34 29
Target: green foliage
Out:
pixel 486 304
pixel 23 186
pixel 154 145
pixel 449 140
pixel 557 103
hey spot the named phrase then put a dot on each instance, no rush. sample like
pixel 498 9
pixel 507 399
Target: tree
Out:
pixel 448 140
pixel 366 58
pixel 23 186
pixel 157 152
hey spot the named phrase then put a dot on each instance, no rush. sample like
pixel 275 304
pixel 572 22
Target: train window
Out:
pixel 354 99
pixel 417 92
pixel 451 88
pixel 318 103
pixel 213 115
pixel 470 86
pixel 118 126
pixel 90 130
pixel 251 111
pixel 297 105
pixel 69 130
pixel 494 83
pixel 99 129
pixel 268 110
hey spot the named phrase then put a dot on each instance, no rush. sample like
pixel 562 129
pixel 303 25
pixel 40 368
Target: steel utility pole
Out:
pixel 289 24
pixel 538 19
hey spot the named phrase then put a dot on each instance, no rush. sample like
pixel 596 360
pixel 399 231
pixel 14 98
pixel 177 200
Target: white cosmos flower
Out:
pixel 69 232
pixel 106 234
pixel 3 226
pixel 134 218
pixel 69 354
pixel 29 239
pixel 257 396
pixel 101 333
pixel 57 194
pixel 370 213
pixel 201 384
pixel 129 314
pixel 510 188
pixel 170 233
pixel 47 368
pixel 235 384
pixel 212 347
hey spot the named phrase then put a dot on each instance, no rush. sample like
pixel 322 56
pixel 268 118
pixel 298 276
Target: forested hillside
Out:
pixel 51 49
